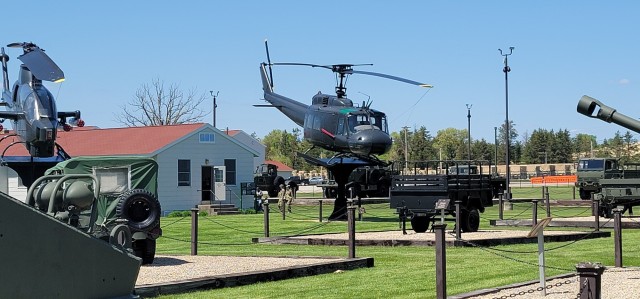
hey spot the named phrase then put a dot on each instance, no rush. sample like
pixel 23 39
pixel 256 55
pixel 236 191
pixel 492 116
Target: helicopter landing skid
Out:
pixel 341 167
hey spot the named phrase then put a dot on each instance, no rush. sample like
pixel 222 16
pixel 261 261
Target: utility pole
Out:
pixel 469 130
pixel 495 142
pixel 507 134
pixel 406 148
pixel 215 105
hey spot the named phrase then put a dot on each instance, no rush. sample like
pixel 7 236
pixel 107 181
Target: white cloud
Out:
pixel 623 81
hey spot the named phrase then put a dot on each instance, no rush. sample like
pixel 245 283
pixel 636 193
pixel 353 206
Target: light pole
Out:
pixel 214 106
pixel 507 132
pixel 469 130
pixel 406 148
pixel 495 142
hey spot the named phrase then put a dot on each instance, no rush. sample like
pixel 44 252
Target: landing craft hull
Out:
pixel 44 258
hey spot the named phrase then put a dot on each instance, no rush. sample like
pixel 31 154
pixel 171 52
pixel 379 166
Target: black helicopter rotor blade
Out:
pixel 42 66
pixel 302 64
pixel 392 78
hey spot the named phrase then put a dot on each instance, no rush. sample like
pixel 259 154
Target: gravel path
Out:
pixel 176 268
pixel 617 283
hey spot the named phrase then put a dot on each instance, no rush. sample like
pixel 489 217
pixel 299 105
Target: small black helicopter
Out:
pixel 30 105
pixel 332 121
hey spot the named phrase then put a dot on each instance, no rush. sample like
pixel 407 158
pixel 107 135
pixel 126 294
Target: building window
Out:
pixel 184 172
pixel 230 168
pixel 207 138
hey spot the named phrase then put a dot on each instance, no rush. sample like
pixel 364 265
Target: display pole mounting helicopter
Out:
pixel 356 133
pixel 32 109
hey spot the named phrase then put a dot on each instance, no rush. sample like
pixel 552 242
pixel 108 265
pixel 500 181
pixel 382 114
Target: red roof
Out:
pixel 281 166
pixel 231 132
pixel 91 141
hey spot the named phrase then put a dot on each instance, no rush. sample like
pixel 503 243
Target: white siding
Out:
pixel 173 197
pixel 254 144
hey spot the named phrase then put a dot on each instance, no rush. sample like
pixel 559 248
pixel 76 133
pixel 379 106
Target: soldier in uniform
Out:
pixel 289 194
pixel 282 198
pixel 258 198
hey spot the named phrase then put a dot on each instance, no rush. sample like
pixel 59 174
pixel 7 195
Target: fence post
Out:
pixel 265 205
pixel 546 198
pixel 500 206
pixel 458 210
pixel 194 231
pixel 617 236
pixel 574 192
pixel 596 212
pixel 351 229
pixel 320 210
pixel 534 217
pixel 441 266
pixel 590 280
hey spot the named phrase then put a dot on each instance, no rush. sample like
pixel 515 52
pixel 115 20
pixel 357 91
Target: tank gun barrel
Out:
pixel 587 106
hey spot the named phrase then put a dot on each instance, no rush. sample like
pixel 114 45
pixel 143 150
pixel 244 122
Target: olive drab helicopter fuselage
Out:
pixel 30 105
pixel 333 122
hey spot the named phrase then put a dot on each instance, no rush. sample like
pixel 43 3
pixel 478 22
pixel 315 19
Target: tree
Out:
pixel 501 141
pixel 451 142
pixel 282 146
pixel 421 145
pixel 584 144
pixel 157 105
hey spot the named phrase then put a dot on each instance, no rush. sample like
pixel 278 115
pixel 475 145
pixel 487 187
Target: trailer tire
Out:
pixel 145 249
pixel 277 182
pixel 420 224
pixel 584 194
pixel 140 207
pixel 469 220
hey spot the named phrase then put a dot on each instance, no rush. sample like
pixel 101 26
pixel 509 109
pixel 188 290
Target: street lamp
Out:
pixel 406 148
pixel 469 130
pixel 495 142
pixel 214 106
pixel 506 71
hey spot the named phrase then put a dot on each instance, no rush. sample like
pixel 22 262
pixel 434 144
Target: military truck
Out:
pixel 591 170
pixel 365 181
pixel 267 179
pixel 125 193
pixel 624 189
pixel 415 191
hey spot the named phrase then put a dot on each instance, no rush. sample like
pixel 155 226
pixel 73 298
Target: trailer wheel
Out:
pixel 584 194
pixel 140 207
pixel 145 249
pixel 420 224
pixel 470 220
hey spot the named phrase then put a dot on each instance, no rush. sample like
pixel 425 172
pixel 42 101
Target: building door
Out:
pixel 219 186
pixel 207 183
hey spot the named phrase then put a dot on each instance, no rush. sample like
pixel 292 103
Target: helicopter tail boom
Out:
pixel 294 110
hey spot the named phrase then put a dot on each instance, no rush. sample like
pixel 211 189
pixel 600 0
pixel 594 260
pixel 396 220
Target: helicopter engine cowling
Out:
pixel 369 142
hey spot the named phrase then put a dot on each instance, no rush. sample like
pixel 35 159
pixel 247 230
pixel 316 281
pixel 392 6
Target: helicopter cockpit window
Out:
pixel 38 104
pixel 364 122
pixel 316 123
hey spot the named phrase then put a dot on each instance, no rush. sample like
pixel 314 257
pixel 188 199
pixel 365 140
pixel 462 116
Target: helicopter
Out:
pixel 31 106
pixel 333 122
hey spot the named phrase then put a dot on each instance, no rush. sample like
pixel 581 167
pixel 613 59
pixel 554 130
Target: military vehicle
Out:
pixel 415 191
pixel 77 231
pixel 591 170
pixel 267 179
pixel 126 193
pixel 364 181
pixel 623 190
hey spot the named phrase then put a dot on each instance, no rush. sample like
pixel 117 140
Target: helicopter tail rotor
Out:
pixel 5 74
pixel 266 46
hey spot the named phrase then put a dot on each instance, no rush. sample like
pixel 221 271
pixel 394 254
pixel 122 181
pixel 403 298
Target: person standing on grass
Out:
pixel 282 198
pixel 258 199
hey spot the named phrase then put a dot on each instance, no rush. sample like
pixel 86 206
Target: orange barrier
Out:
pixel 554 179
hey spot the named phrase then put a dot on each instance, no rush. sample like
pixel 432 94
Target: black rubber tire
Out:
pixel 145 249
pixel 584 194
pixel 420 224
pixel 469 220
pixel 140 207
pixel 277 182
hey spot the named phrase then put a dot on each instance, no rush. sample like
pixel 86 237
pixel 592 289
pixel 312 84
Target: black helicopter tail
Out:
pixel 5 74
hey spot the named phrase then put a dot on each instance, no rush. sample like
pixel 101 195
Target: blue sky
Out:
pixel 563 50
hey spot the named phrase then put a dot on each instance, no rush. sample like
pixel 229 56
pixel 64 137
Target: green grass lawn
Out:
pixel 399 272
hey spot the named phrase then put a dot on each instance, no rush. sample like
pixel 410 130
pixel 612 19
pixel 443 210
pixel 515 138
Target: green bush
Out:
pixel 175 214
pixel 203 213
pixel 248 211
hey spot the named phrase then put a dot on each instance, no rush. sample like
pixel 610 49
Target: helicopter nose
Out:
pixel 370 142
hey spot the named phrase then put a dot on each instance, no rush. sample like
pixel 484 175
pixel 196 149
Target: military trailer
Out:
pixel 126 193
pixel 591 170
pixel 415 191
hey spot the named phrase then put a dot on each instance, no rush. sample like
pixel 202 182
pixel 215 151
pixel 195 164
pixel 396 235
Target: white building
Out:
pixel 196 162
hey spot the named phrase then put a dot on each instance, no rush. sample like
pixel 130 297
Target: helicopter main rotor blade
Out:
pixel 393 78
pixel 302 64
pixel 41 66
